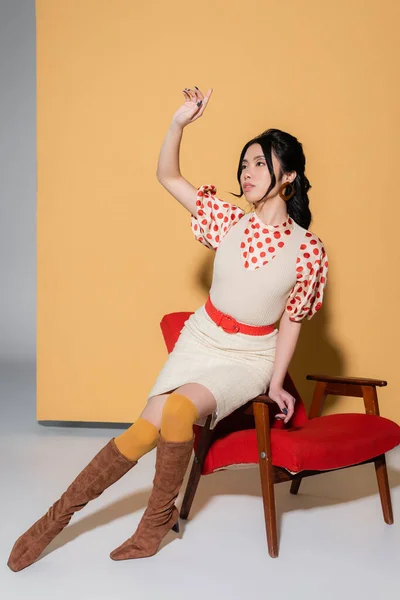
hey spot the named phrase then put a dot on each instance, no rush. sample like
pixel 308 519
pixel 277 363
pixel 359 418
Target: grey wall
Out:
pixel 17 181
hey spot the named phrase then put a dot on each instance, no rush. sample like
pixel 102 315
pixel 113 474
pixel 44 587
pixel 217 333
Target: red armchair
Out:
pixel 306 446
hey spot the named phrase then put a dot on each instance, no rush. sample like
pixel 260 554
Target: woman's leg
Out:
pixel 112 462
pixel 181 410
pixel 174 413
pixel 142 436
pixel 104 469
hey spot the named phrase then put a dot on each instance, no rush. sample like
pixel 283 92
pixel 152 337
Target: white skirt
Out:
pixel 235 367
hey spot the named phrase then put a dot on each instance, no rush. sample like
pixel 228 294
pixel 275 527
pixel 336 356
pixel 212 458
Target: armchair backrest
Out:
pixel 171 327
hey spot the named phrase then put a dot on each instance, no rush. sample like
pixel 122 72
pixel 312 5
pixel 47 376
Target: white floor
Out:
pixel 334 543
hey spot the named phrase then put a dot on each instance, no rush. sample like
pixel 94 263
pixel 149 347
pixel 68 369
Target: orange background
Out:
pixel 115 250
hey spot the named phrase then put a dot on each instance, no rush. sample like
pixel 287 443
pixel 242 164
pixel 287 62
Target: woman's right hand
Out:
pixel 190 109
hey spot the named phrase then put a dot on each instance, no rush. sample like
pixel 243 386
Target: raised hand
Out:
pixel 193 107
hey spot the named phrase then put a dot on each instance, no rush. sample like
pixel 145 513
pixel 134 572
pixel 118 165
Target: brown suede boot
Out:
pixel 104 469
pixel 161 514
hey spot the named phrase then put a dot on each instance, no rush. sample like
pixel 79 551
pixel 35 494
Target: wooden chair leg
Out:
pixel 191 489
pixel 384 489
pixel 294 486
pixel 261 415
pixel 195 474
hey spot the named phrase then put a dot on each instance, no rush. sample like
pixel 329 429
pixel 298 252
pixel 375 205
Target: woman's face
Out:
pixel 254 177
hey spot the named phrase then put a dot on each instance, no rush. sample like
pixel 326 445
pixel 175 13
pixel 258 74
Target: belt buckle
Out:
pixel 236 328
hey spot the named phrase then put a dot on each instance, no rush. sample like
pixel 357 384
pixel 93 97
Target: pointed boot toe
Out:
pixel 126 551
pixel 105 468
pixel 161 514
pixel 145 541
pixel 30 545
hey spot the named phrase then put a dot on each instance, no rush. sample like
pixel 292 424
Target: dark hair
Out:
pixel 289 152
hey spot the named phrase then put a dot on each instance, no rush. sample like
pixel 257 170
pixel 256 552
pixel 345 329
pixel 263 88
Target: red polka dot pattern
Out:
pixel 214 217
pixel 260 244
pixel 305 298
pixel 264 241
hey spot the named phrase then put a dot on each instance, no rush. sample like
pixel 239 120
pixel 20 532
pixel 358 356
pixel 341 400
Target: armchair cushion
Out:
pixel 320 444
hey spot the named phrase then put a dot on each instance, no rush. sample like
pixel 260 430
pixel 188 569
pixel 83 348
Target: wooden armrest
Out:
pixel 345 386
pixel 348 380
pixel 262 399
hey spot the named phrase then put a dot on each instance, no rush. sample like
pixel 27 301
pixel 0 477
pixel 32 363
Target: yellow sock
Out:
pixel 178 416
pixel 138 439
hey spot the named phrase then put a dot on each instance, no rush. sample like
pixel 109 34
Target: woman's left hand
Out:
pixel 285 401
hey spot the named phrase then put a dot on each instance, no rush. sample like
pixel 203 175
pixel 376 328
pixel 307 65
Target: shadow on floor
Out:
pixel 319 491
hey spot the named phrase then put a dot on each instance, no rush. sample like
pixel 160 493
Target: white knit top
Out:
pixel 260 270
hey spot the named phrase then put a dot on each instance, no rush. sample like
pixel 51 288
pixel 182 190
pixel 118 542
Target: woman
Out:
pixel 268 266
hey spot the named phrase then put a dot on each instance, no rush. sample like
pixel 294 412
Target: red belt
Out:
pixel 230 325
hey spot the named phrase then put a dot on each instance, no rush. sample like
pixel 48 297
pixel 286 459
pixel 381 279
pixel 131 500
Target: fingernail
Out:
pixel 199 103
pixel 196 87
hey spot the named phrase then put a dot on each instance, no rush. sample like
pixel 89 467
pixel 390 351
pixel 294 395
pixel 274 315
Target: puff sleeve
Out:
pixel 305 298
pixel 213 217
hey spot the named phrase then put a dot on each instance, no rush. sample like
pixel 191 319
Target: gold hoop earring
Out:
pixel 282 190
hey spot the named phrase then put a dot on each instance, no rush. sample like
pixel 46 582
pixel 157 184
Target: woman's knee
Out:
pixel 189 402
pixel 178 416
pixel 154 408
pixel 179 407
pixel 184 404
pixel 201 397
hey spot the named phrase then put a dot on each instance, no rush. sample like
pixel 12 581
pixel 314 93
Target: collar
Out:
pixel 256 223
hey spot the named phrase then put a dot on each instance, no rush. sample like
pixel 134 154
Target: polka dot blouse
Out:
pixel 261 244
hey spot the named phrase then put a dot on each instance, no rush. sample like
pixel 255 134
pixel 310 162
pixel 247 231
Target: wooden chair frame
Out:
pixel 260 407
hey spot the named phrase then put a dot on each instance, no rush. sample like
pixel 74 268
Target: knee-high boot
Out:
pixel 104 469
pixel 161 514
